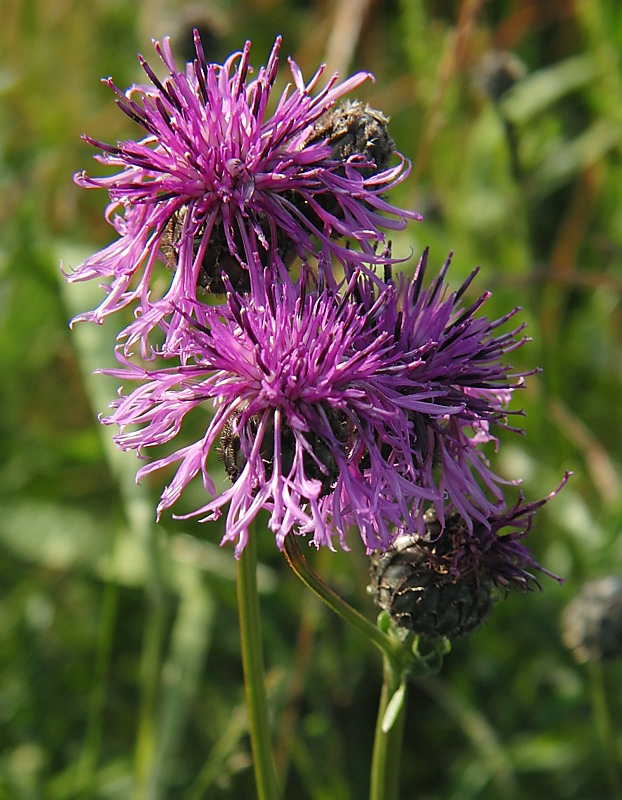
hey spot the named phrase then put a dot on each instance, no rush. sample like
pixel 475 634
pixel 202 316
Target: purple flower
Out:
pixel 450 378
pixel 301 416
pixel 442 584
pixel 216 183
pixel 330 409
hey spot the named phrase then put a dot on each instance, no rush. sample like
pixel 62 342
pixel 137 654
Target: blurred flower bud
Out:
pixel 592 621
pixel 498 71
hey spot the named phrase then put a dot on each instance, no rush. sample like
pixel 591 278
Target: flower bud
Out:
pixel 592 621
pixel 353 128
pixel 498 72
pixel 416 584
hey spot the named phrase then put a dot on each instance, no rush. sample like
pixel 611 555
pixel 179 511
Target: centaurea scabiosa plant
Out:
pixel 332 410
pixel 336 400
pixel 364 407
pixel 221 182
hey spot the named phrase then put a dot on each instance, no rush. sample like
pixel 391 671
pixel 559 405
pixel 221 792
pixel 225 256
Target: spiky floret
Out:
pixel 451 379
pixel 362 407
pixel 218 180
pixel 445 583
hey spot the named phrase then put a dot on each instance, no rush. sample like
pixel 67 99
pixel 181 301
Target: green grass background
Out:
pixel 120 669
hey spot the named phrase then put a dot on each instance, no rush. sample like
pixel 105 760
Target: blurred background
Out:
pixel 120 670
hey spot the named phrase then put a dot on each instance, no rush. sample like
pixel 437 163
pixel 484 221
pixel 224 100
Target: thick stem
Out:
pixel 254 679
pixel 385 765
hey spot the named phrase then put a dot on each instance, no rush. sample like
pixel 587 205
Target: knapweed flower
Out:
pixel 445 583
pixel 331 409
pixel 218 183
pixel 451 379
pixel 301 416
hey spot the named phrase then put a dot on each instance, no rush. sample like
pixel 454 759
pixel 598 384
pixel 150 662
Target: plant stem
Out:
pixel 86 767
pixel 384 782
pixel 301 567
pixel 254 679
pixel 385 765
pixel 605 729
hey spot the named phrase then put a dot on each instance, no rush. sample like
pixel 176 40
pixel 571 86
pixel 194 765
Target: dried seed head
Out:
pixel 351 129
pixel 415 584
pixel 592 621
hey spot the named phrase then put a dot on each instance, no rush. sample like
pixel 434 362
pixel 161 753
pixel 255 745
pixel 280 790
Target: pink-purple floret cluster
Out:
pixel 344 400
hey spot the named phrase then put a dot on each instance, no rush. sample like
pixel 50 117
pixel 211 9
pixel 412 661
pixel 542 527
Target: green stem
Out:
pixel 254 680
pixel 299 564
pixel 86 769
pixel 605 728
pixel 396 660
pixel 385 765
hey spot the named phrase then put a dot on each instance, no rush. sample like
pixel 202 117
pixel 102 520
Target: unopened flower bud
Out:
pixel 414 582
pixel 354 128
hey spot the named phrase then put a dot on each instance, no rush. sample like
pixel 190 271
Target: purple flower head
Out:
pixel 493 551
pixel 442 584
pixel 331 409
pixel 301 416
pixel 450 378
pixel 217 181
